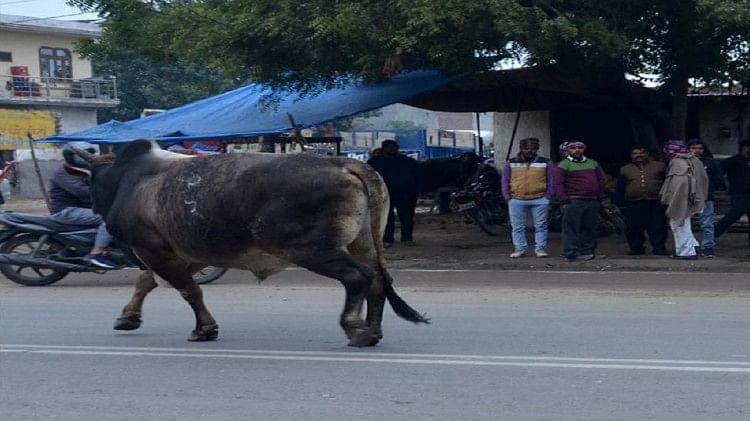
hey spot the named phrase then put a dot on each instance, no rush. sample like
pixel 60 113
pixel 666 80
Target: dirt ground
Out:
pixel 446 242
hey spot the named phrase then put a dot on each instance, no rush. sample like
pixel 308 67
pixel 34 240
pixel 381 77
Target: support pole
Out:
pixel 479 138
pixel 515 127
pixel 37 170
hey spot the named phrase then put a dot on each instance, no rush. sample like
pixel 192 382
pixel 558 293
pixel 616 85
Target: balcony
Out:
pixel 85 93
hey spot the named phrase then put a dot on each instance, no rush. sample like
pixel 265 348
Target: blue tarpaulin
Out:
pixel 246 112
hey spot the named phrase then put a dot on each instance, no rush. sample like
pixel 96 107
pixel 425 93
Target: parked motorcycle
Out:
pixel 610 220
pixel 480 204
pixel 37 251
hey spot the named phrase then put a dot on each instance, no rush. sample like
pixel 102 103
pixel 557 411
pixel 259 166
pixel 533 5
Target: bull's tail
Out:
pixel 377 197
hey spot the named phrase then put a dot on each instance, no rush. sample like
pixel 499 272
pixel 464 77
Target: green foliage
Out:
pixel 143 85
pixel 320 43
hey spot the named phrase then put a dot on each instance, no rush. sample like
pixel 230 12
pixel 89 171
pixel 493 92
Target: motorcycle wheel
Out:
pixel 486 222
pixel 619 224
pixel 208 274
pixel 28 276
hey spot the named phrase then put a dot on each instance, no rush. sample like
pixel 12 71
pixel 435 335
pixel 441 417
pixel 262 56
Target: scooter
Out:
pixel 36 250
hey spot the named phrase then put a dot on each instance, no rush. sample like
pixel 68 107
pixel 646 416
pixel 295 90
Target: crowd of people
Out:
pixel 656 193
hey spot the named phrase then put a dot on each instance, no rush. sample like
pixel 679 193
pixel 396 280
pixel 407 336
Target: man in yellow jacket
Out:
pixel 527 187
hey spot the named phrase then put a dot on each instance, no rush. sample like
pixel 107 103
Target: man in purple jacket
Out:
pixel 579 186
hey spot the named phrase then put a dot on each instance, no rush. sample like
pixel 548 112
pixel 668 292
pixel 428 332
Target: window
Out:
pixel 6 56
pixel 55 63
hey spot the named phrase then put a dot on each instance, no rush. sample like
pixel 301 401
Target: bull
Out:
pixel 257 212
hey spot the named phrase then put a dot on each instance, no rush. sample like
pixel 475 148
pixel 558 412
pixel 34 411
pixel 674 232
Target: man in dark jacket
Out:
pixel 700 150
pixel 70 203
pixel 403 179
pixel 737 170
pixel 638 191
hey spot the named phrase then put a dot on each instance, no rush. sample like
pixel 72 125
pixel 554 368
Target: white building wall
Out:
pixel 395 116
pixel 73 119
pixel 530 124
pixel 25 49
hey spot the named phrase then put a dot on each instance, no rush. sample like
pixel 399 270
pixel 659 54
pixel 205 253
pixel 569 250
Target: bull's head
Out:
pixel 97 167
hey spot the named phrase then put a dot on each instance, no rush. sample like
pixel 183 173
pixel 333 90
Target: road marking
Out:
pixel 392 358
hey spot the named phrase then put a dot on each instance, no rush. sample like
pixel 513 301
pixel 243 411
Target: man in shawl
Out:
pixel 527 188
pixel 684 193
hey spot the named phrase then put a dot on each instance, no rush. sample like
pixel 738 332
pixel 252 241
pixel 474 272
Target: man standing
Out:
pixel 527 187
pixel 737 169
pixel 579 186
pixel 403 179
pixel 715 182
pixel 638 189
pixel 684 193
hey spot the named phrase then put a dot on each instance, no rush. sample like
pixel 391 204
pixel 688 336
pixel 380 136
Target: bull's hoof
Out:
pixel 128 323
pixel 363 338
pixel 210 334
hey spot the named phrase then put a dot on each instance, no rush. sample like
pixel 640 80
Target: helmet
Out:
pixel 72 158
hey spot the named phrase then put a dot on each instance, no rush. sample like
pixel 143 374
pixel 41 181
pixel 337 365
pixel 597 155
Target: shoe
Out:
pixel 637 252
pixel 586 257
pixel 409 243
pixel 660 253
pixel 101 260
pixel 708 253
pixel 518 253
pixel 387 245
pixel 693 257
pixel 541 253
pixel 570 258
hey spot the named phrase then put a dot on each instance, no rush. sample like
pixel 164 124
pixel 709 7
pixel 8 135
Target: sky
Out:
pixel 43 9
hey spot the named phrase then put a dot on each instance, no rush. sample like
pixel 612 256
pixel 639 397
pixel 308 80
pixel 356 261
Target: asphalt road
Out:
pixel 502 345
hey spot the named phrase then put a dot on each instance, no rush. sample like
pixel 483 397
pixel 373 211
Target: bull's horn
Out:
pixel 86 155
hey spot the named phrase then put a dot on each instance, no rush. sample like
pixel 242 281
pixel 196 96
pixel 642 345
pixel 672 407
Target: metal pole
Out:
pixel 479 138
pixel 515 127
pixel 36 168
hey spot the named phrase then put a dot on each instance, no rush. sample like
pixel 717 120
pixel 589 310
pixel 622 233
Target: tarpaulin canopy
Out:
pixel 247 112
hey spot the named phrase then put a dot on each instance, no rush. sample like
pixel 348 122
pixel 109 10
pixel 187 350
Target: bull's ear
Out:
pixel 80 170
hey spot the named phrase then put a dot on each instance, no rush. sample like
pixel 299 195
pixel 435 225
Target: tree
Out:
pixel 310 45
pixel 144 85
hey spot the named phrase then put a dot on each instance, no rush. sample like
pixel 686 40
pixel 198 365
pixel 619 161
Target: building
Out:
pixel 45 87
pixel 719 117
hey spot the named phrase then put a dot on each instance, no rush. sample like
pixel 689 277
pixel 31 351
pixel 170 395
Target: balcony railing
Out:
pixel 58 88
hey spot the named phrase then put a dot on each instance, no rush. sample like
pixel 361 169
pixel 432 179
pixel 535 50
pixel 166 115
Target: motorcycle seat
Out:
pixel 44 221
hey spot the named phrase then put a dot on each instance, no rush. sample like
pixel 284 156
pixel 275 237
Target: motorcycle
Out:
pixel 36 250
pixel 479 203
pixel 610 221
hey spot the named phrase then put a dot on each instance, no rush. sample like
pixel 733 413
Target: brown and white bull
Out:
pixel 258 212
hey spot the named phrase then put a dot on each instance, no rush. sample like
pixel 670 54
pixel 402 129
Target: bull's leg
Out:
pixel 179 274
pixel 356 278
pixel 130 318
pixel 375 304
pixel 362 250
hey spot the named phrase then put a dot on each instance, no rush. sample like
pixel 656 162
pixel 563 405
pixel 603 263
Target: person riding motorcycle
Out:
pixel 70 203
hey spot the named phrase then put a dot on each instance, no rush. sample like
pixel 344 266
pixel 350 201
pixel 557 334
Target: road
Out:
pixel 502 345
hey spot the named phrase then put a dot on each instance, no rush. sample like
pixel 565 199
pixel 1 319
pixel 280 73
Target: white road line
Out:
pixel 393 358
pixel 592 271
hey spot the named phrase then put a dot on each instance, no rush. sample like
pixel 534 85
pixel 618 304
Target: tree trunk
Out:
pixel 679 110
